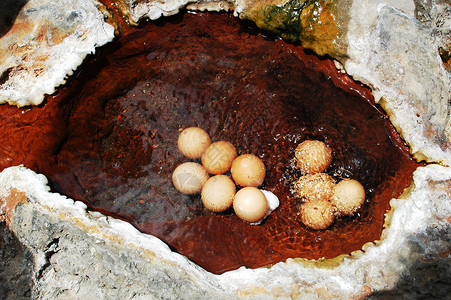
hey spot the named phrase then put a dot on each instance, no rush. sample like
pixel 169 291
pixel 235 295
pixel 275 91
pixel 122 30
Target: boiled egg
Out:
pixel 217 193
pixel 193 141
pixel 189 178
pixel 248 170
pixel 218 157
pixel 250 204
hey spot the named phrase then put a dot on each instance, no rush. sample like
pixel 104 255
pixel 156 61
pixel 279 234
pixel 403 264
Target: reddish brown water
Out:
pixel 108 138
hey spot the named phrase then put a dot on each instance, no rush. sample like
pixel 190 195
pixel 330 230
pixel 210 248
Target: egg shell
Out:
pixel 189 178
pixel 217 193
pixel 313 156
pixel 348 196
pixel 317 214
pixel 193 141
pixel 250 204
pixel 248 170
pixel 314 187
pixel 218 157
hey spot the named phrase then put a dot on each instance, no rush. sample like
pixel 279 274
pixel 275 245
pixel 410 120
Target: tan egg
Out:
pixel 313 156
pixel 189 178
pixel 193 141
pixel 317 214
pixel 348 196
pixel 218 157
pixel 248 170
pixel 250 204
pixel 314 187
pixel 217 193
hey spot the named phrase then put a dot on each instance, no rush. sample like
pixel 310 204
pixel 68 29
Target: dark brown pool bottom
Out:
pixel 108 138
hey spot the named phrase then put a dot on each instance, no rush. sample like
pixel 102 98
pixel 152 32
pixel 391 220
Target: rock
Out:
pixel 47 42
pixel 436 15
pixel 317 25
pixel 16 264
pixel 395 55
pixel 80 254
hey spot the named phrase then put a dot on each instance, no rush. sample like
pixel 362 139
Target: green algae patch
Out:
pixel 319 25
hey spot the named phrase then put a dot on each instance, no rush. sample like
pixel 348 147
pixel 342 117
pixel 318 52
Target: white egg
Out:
pixel 250 204
pixel 348 196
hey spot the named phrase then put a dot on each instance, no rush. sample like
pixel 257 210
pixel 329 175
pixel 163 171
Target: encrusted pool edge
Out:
pixel 47 43
pixel 79 253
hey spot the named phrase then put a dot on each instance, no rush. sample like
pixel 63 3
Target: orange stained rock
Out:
pixel 9 203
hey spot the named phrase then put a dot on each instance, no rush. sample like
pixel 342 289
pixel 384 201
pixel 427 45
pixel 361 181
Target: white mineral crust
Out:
pixel 396 55
pixel 48 41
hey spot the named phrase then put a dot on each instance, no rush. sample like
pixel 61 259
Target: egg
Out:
pixel 313 156
pixel 317 214
pixel 248 170
pixel 314 187
pixel 218 157
pixel 348 196
pixel 250 204
pixel 189 178
pixel 193 141
pixel 217 193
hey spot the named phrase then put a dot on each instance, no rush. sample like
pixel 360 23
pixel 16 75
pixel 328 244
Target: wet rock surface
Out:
pixel 317 25
pixel 16 267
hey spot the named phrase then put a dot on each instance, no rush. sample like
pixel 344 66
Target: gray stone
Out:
pixel 16 266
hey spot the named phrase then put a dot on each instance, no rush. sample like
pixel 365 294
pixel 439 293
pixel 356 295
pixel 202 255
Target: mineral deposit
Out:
pixel 48 41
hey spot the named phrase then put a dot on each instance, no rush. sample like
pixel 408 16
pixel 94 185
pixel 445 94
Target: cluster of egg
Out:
pixel 323 198
pixel 218 192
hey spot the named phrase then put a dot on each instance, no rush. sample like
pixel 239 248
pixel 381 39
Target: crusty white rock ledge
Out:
pixel 397 56
pixel 85 254
pixel 48 40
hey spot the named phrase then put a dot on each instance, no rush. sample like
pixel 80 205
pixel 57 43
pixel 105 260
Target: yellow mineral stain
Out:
pixel 318 25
